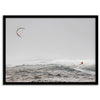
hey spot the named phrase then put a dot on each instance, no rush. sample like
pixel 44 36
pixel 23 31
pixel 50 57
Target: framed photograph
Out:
pixel 50 50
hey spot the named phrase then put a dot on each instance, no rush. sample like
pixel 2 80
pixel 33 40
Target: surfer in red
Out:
pixel 81 62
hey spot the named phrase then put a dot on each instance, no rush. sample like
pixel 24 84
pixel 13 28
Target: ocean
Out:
pixel 51 71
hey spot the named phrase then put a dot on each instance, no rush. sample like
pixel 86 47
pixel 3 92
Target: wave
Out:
pixel 85 71
pixel 50 61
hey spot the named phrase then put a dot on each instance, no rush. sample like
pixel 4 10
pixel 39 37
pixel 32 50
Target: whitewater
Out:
pixel 48 70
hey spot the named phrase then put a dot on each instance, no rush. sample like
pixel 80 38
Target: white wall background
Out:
pixel 47 7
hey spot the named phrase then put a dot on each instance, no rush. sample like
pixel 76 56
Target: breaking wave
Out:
pixel 88 67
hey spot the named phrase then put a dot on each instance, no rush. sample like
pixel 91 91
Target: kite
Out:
pixel 17 31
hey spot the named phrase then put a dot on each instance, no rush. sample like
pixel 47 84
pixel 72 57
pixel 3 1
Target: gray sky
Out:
pixel 60 38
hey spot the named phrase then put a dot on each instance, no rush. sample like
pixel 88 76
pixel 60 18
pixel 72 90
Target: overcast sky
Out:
pixel 50 38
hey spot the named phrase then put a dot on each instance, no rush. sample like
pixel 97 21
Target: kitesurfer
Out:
pixel 81 62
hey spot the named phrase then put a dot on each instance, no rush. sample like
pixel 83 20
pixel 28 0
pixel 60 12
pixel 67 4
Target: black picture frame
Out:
pixel 50 16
